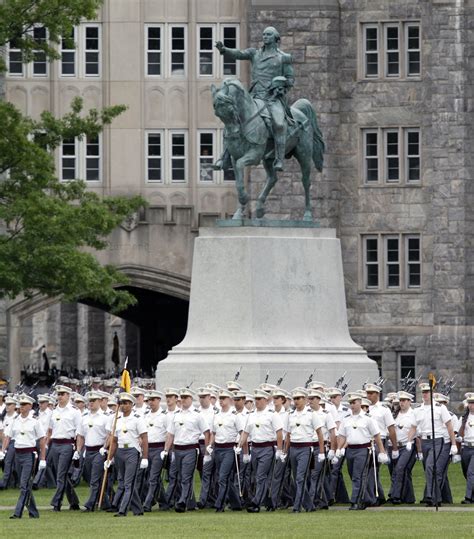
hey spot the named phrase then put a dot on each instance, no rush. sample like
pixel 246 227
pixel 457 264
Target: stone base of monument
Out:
pixel 266 297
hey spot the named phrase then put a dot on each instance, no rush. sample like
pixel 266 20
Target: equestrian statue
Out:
pixel 260 127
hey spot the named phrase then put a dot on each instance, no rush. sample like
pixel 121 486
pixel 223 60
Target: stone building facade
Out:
pixel 391 81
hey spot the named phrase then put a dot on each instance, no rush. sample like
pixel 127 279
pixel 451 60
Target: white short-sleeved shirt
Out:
pixel 328 423
pixel 64 422
pixel 208 414
pixel 25 431
pixel 455 424
pixel 157 423
pixel 383 416
pixel 263 426
pixel 187 426
pixel 403 423
pixel 358 429
pixel 141 411
pixel 129 429
pixel 94 428
pixel 301 426
pixel 7 420
pixel 423 419
pixel 469 429
pixel 44 418
pixel 227 426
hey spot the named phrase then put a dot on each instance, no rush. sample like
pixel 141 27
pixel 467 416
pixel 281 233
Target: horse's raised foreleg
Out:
pixel 304 159
pixel 252 157
pixel 272 178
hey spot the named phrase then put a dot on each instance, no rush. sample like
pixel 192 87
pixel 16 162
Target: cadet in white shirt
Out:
pixel 424 431
pixel 64 423
pixel 266 430
pixel 26 431
pixel 140 407
pixel 156 421
pixel 91 438
pixel 130 448
pixel 466 432
pixel 302 424
pixel 357 430
pixel 9 457
pixel 226 429
pixel 401 490
pixel 184 431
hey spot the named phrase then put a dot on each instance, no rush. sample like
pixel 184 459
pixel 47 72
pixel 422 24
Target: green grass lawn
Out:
pixel 333 523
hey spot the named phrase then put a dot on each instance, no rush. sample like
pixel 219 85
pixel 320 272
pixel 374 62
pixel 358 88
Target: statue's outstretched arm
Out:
pixel 235 54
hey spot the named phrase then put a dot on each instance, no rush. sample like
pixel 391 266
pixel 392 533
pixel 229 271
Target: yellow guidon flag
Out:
pixel 125 382
pixel 432 379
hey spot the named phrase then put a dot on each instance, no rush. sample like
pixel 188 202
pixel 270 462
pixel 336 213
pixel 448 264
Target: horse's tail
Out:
pixel 306 108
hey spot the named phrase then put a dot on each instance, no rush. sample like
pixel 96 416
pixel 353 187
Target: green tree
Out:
pixel 49 228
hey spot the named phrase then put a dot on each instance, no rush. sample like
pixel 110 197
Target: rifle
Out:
pixel 340 380
pixel 405 381
pixel 310 378
pixel 344 386
pixel 280 380
pixel 237 374
pixel 266 377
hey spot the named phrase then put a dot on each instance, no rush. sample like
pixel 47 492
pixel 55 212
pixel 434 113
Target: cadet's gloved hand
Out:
pixel 103 451
pixel 280 455
pixel 340 452
pixel 76 455
pixel 206 459
pixel 454 450
pixel 321 457
pixel 409 446
pixel 209 450
pixel 107 464
pixel 2 455
pixel 395 454
pixel 42 465
pixel 383 458
pixel 458 439
pixel 331 454
pixel 246 458
pixel 163 454
pixel 237 450
pixel 335 461
pixel 456 459
pixel 419 456
pixel 143 464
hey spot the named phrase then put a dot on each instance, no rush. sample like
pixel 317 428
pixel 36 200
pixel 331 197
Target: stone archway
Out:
pixel 160 315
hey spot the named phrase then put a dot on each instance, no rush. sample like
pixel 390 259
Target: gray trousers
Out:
pixel 338 490
pixel 225 467
pixel 443 463
pixel 208 474
pixel 280 487
pixel 357 462
pixel 467 463
pixel 155 465
pixel 24 463
pixel 59 459
pixel 127 462
pixel 172 491
pixel 94 469
pixel 9 466
pixel 371 478
pixel 263 459
pixel 320 482
pixel 432 494
pixel 300 461
pixel 402 485
pixel 186 460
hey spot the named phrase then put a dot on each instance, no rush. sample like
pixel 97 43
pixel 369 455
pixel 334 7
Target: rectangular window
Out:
pixel 407 366
pixel 92 51
pixel 413 58
pixel 178 51
pixel 371 262
pixel 154 157
pixel 392 157
pixel 392 258
pixel 230 40
pixel 371 156
pixel 206 142
pixel 68 55
pixel 413 261
pixel 392 51
pixel 178 157
pixel 15 60
pixel 206 50
pixel 69 159
pixel 40 65
pixel 154 51
pixel 93 172
pixel 413 155
pixel 371 51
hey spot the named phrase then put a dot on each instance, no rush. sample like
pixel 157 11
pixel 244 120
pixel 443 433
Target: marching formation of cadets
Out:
pixel 271 449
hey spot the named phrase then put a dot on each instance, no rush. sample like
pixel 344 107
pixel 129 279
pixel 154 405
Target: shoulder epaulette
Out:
pixel 137 415
pixel 348 415
pixel 367 414
pixel 325 411
pixel 234 412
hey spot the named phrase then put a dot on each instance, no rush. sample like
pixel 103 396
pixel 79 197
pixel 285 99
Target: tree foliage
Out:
pixel 49 228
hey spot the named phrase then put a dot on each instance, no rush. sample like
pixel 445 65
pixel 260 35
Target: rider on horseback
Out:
pixel 272 77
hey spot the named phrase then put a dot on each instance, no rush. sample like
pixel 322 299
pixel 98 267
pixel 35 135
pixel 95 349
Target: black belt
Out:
pixel 302 444
pixel 263 444
pixel 62 441
pixel 184 447
pixel 156 445
pixel 93 447
pixel 25 449
pixel 359 446
pixel 227 445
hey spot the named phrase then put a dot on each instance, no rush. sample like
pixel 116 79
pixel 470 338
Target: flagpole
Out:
pixel 434 482
pixel 112 434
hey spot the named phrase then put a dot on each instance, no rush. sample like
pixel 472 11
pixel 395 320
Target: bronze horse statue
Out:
pixel 250 142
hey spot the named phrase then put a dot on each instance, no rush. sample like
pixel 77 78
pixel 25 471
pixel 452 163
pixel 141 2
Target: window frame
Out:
pixel 386 156
pixel 162 156
pixel 409 25
pixel 366 263
pixel 387 51
pixel 215 150
pixel 408 263
pixel 214 74
pixel 170 51
pixel 171 158
pixel 407 156
pixel 366 132
pixel 76 161
pixel 80 156
pixel 21 75
pixel 37 51
pixel 387 263
pixel 75 51
pixel 222 27
pixel 161 26
pixel 84 51
pixel 365 51
pixel 399 366
pixel 99 158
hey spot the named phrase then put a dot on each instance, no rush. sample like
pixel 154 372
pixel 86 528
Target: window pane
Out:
pixel 68 55
pixel 413 51
pixel 154 51
pixel 372 250
pixel 371 52
pixel 230 41
pixel 393 53
pixel 372 276
pixel 92 51
pixel 154 166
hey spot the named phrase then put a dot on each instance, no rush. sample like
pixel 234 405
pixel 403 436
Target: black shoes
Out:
pixel 220 510
pixel 467 501
pixel 111 509
pixel 253 509
pixel 15 516
pixel 74 507
pixel 180 507
pixel 119 514
pixel 356 507
pixel 56 509
pixel 147 510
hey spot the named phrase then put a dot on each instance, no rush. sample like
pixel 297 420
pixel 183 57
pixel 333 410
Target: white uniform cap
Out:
pixel 135 390
pixel 63 389
pixel 316 385
pixel 203 391
pixel 186 392
pixel 168 391
pixel 225 393
pixel 469 397
pixel 94 395
pixel 354 396
pixel 315 393
pixel 239 394
pixel 439 397
pixel 424 386
pixel 26 399
pixel 79 398
pixel 333 391
pixel 372 387
pixel 155 394
pixel 127 397
pixel 260 393
pixel 405 395
pixel 233 385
